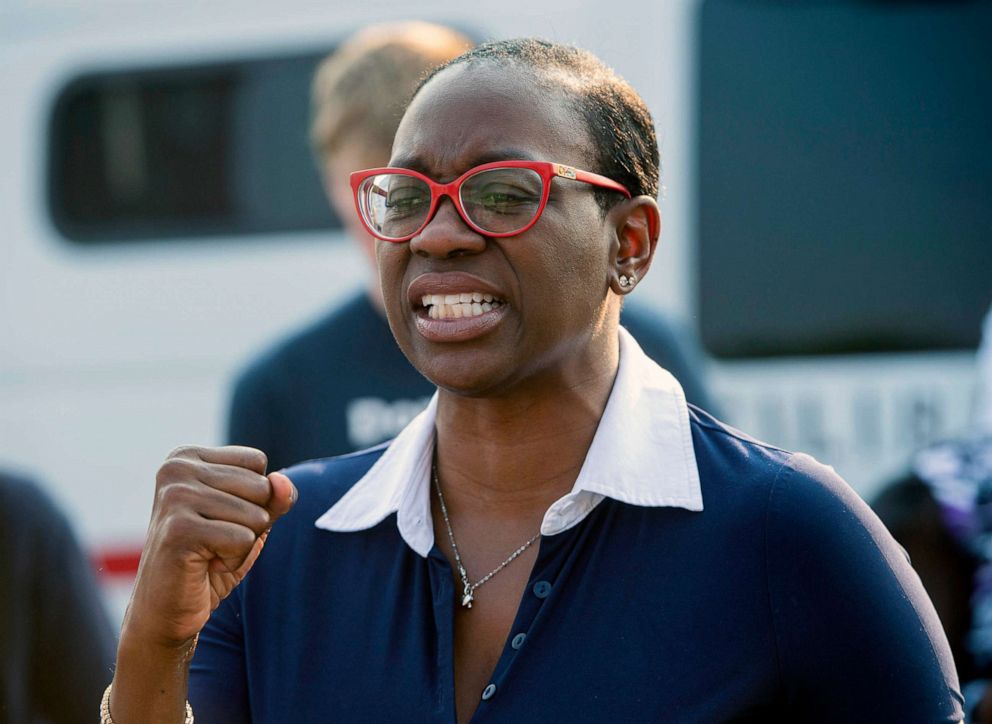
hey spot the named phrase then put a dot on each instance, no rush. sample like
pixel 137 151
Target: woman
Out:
pixel 534 546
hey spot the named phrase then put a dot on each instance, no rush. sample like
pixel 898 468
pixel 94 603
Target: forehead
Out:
pixel 467 115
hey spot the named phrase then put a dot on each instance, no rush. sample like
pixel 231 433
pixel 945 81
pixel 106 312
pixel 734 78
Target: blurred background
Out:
pixel 827 219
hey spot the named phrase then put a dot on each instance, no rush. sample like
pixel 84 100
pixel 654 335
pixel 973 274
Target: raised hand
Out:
pixel 213 510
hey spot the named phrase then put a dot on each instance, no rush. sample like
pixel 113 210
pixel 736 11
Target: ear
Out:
pixel 638 225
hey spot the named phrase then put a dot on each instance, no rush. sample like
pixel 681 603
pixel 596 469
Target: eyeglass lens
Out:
pixel 499 200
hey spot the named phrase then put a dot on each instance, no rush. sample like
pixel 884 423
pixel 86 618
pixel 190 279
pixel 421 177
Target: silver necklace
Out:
pixel 468 588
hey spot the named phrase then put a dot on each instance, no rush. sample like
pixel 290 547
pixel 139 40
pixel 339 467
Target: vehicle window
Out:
pixel 191 151
pixel 845 176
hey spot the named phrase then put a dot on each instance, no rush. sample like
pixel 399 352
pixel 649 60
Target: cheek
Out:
pixel 391 261
pixel 582 261
pixel 565 285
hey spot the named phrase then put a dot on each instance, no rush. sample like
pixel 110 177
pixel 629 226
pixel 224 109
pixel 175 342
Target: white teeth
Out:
pixel 456 306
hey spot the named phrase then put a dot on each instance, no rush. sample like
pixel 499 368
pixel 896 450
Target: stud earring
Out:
pixel 627 281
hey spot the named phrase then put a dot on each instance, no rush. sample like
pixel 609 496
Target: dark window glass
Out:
pixel 186 151
pixel 845 176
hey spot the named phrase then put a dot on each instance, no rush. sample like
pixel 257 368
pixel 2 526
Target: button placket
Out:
pixel 538 589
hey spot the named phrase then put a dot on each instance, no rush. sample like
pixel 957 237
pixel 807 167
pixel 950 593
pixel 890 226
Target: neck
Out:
pixel 516 454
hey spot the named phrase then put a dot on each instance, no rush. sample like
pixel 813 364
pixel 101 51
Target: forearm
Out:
pixel 150 682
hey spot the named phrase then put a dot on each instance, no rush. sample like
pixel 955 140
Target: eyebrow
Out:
pixel 418 163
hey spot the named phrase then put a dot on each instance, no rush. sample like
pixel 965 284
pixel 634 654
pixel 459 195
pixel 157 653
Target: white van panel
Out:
pixel 863 414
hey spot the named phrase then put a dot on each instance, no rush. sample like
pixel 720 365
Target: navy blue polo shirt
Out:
pixel 783 599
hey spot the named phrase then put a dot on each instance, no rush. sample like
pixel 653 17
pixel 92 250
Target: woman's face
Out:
pixel 552 318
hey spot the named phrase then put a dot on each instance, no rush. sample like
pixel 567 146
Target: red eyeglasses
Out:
pixel 497 199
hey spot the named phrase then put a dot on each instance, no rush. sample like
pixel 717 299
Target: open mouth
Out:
pixel 457 306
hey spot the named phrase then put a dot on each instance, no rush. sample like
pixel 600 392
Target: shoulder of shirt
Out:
pixel 728 457
pixel 322 482
pixel 314 340
pixel 705 425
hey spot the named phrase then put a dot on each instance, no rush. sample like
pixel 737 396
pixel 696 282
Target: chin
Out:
pixel 467 379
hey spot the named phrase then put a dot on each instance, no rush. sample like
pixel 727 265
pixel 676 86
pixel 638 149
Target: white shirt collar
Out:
pixel 641 454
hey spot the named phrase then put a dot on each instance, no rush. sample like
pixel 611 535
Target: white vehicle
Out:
pixel 826 219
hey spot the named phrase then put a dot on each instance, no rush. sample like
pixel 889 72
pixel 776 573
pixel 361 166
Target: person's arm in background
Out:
pixel 671 347
pixel 57 640
pixel 947 571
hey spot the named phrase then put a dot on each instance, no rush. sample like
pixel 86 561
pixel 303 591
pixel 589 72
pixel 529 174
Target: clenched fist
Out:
pixel 212 513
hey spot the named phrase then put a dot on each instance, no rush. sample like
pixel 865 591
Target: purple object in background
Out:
pixel 959 475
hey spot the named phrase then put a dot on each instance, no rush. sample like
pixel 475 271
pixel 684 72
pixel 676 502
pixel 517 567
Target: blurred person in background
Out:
pixel 342 384
pixel 56 642
pixel 941 513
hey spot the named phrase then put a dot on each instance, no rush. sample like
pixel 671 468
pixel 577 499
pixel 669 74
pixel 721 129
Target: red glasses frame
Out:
pixel 545 169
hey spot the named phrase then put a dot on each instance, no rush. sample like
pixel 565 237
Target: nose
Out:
pixel 447 235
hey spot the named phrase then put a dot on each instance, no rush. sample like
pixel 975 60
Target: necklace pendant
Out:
pixel 467 599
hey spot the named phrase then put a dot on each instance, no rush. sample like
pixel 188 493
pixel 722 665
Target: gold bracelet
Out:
pixel 105 717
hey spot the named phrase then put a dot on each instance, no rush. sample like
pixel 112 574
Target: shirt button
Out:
pixel 489 692
pixel 518 640
pixel 542 589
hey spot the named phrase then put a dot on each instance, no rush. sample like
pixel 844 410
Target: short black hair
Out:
pixel 619 123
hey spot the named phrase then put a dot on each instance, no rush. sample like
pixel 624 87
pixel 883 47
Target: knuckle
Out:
pixel 243 539
pixel 175 468
pixel 186 451
pixel 177 528
pixel 261 519
pixel 254 459
pixel 174 495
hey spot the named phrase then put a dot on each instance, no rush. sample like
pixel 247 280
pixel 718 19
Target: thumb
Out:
pixel 284 495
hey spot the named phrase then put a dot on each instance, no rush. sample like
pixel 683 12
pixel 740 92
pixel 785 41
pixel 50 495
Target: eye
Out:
pixel 501 197
pixel 406 198
pixel 503 191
